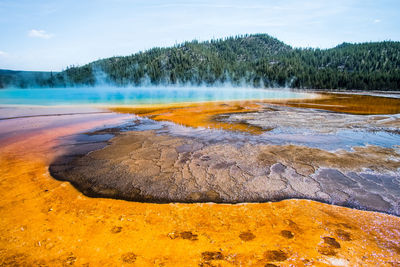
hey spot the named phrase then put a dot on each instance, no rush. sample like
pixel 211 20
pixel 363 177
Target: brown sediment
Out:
pixel 247 236
pixel 47 222
pixel 287 234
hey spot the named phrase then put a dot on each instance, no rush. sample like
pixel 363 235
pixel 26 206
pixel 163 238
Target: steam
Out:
pixel 247 80
pixel 99 88
pixel 94 75
pixel 101 78
pixel 107 95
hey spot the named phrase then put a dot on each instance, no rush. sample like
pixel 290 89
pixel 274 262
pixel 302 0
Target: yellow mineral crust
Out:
pixel 45 222
pixel 197 114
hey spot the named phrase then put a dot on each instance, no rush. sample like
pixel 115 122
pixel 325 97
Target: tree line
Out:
pixel 257 60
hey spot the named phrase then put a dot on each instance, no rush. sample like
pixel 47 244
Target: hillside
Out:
pixel 257 60
pixel 24 79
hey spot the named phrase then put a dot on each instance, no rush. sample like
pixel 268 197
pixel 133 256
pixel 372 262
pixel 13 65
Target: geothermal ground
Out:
pixel 220 152
pixel 162 162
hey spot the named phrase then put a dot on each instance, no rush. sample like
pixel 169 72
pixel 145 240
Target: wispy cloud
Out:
pixel 3 54
pixel 205 5
pixel 377 20
pixel 39 34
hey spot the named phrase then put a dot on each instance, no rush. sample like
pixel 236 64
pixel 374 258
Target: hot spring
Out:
pixel 139 95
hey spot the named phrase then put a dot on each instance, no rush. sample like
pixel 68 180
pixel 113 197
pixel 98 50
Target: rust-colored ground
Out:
pixel 350 103
pixel 45 222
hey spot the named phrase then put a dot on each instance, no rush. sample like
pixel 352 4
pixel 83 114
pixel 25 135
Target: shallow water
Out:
pixel 138 95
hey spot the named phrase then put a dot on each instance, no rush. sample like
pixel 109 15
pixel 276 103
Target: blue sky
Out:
pixel 51 34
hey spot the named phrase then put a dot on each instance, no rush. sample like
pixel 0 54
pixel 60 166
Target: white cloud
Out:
pixel 377 20
pixel 39 34
pixel 3 54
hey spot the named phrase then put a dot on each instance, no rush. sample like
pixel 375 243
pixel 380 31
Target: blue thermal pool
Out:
pixel 138 95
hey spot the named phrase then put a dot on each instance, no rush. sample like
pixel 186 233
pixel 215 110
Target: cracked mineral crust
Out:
pixel 150 167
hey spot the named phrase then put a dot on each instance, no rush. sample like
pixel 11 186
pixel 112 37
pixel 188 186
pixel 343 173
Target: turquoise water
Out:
pixel 137 95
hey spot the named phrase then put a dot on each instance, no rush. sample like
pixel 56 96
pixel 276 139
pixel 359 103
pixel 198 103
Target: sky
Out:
pixel 49 35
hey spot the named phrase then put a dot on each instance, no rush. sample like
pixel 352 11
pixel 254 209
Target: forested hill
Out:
pixel 256 60
pixel 24 79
